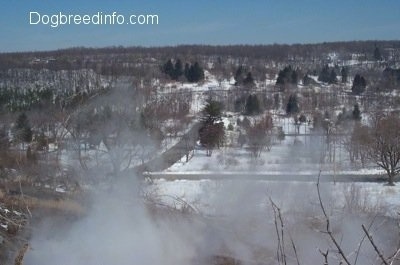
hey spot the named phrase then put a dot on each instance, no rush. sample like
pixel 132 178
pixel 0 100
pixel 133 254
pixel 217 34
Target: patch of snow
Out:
pixel 17 213
pixel 203 194
pixel 60 189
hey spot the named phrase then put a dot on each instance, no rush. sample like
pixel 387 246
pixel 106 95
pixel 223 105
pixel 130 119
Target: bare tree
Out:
pixel 383 144
pixel 354 144
pixel 259 136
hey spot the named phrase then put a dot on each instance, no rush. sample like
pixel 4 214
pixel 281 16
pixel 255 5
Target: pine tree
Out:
pixel 211 136
pixel 198 72
pixel 302 118
pixel 212 132
pixel 42 142
pixel 252 105
pixel 212 112
pixel 292 106
pixel 281 134
pixel 242 139
pixel 294 78
pixel 324 75
pixel 22 129
pixel 239 76
pixel 377 54
pixel 287 76
pixel 178 70
pixel 4 140
pixel 194 73
pixel 359 84
pixel 308 80
pixel 356 113
pixel 248 81
pixel 168 68
pixel 344 74
pixel 186 70
pixel 332 77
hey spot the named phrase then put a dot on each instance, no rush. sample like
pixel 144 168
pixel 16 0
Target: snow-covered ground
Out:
pixel 301 154
pixel 214 197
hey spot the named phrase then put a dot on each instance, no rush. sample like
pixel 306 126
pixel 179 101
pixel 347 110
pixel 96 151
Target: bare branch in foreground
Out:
pixel 328 229
pixel 295 251
pixel 325 255
pixel 281 253
pixel 384 261
pixel 362 241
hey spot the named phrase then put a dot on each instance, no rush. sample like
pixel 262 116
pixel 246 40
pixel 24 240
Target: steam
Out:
pixel 243 222
pixel 117 230
pixel 234 219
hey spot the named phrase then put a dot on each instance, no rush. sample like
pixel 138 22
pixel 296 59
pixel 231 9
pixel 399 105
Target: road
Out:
pixel 265 176
pixel 172 155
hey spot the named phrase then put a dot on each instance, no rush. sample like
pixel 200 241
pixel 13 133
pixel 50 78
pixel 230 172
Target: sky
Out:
pixel 216 22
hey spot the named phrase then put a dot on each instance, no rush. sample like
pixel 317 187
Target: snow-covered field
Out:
pixel 300 154
pixel 218 197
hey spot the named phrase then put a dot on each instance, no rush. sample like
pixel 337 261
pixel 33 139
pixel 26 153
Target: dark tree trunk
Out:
pixel 391 176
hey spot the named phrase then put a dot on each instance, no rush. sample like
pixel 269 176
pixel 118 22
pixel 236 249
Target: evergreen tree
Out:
pixel 239 76
pixel 333 77
pixel 292 106
pixel 294 78
pixel 377 54
pixel 211 136
pixel 168 68
pixel 42 142
pixel 281 134
pixel 239 104
pixel 178 70
pixel 344 74
pixel 186 70
pixel 174 71
pixel 302 118
pixel 359 85
pixel 391 78
pixel 242 139
pixel 22 129
pixel 308 80
pixel 324 75
pixel 4 140
pixel 287 76
pixel 212 112
pixel 195 73
pixel 212 131
pixel 246 123
pixel 252 105
pixel 276 101
pixel 281 78
pixel 198 72
pixel 356 113
pixel 248 81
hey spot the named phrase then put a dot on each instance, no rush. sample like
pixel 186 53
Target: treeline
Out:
pixel 192 72
pixel 120 60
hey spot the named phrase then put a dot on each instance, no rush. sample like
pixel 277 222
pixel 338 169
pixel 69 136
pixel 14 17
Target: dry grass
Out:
pixel 21 207
pixel 31 203
pixel 21 253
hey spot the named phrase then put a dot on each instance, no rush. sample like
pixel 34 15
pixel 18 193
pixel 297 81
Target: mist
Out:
pixel 118 229
pixel 231 218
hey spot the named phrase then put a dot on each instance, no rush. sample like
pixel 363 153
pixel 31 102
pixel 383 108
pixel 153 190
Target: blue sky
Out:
pixel 214 22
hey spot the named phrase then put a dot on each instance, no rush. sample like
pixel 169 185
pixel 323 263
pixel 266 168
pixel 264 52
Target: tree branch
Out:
pixel 328 230
pixel 375 247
